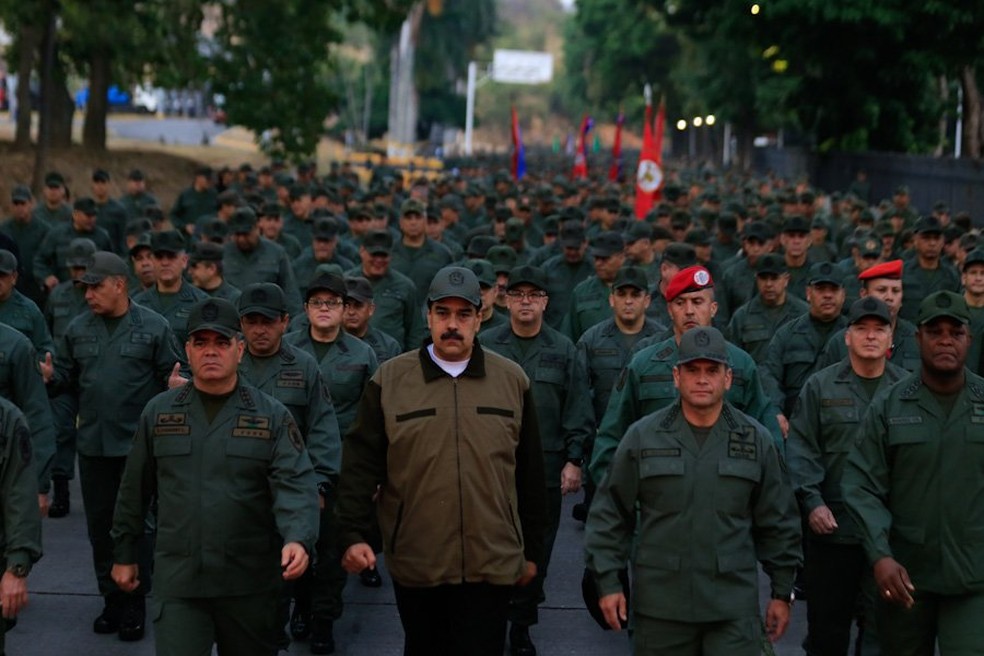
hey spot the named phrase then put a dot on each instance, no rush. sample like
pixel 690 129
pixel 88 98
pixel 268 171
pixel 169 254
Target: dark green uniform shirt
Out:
pixel 913 484
pixel 562 278
pixel 28 236
pixel 20 313
pixel 753 324
pixel 419 264
pixel 589 306
pixel 136 204
pixel 174 307
pixel 268 262
pixel 192 205
pixel 398 310
pixel 707 515
pixel 918 283
pixel 230 493
pixel 903 353
pixel 112 218
pixel 20 531
pixel 65 302
pixel 50 259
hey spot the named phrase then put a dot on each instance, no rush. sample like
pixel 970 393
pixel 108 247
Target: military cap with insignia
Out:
pixel 869 245
pixel 825 273
pixel 502 257
pixel 943 304
pixel 703 343
pixel 795 225
pixel 215 314
pixel 606 244
pixel 515 228
pixel 928 224
pixel 698 237
pixel 204 251
pixel 571 234
pixel 324 228
pixel 527 275
pixel 975 256
pixel 80 251
pixel 691 279
pixel 891 270
pixel 102 265
pixel 455 282
pixel 327 282
pixel 169 241
pixel 412 206
pixel 242 221
pixel 86 206
pixel 770 264
pixel 637 230
pixel 680 254
pixel 142 242
pixel 483 270
pixel 265 298
pixel 631 276
pixel 378 242
pixel 359 288
pixel 869 306
pixel 21 194
pixel 8 262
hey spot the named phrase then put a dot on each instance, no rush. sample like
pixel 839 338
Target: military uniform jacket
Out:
pixel 226 291
pixel 384 346
pixel 50 258
pixel 21 384
pixel 28 237
pixel 305 265
pixel 112 218
pixel 192 205
pixel 706 516
pixel 461 469
pixel 913 484
pixel 419 264
pixel 562 278
pixel 753 324
pixel 603 354
pixel 20 313
pixel 589 306
pixel 822 430
pixel 177 311
pixel 20 520
pixel 65 302
pixel 346 369
pixel 918 283
pixel 398 311
pixel 113 376
pixel 61 214
pixel 292 377
pixel 136 204
pixel 266 263
pixel 904 352
pixel 230 493
pixel 646 385
pixel 738 287
pixel 793 355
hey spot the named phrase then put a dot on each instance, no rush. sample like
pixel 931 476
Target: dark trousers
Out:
pixel 238 626
pixel 100 478
pixel 467 619
pixel 834 574
pixel 64 409
pixel 956 621
pixel 525 599
pixel 319 591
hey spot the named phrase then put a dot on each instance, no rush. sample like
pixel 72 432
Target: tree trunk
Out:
pixel 94 128
pixel 62 109
pixel 971 113
pixel 29 41
pixel 404 103
pixel 944 123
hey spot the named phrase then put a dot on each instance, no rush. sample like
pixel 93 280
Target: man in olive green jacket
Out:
pixel 449 435
pixel 712 499
pixel 913 484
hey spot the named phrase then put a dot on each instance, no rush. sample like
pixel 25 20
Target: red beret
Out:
pixel 691 279
pixel 891 270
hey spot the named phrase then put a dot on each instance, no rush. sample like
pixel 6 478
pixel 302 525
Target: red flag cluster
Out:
pixel 649 175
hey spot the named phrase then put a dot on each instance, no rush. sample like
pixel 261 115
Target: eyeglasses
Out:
pixel 318 303
pixel 526 296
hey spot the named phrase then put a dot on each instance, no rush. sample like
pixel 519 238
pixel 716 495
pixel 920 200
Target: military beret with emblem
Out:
pixel 691 279
pixel 891 270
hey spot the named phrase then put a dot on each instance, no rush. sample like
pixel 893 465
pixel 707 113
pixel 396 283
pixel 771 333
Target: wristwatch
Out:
pixel 789 599
pixel 577 462
pixel 19 570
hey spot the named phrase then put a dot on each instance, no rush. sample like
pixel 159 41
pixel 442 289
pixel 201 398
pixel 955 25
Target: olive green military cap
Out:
pixel 215 314
pixel 264 298
pixel 943 304
pixel 869 306
pixel 102 265
pixel 703 343
pixel 455 282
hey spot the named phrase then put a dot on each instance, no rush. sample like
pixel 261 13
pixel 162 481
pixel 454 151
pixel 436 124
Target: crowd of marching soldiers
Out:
pixel 564 264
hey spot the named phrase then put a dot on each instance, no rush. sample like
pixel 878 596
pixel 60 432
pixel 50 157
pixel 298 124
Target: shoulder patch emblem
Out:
pixel 294 434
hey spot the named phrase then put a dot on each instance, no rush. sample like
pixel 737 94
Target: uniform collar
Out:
pixel 475 368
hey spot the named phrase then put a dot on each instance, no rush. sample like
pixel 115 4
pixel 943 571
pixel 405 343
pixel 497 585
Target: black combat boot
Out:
pixel 322 638
pixel 132 618
pixel 520 643
pixel 60 505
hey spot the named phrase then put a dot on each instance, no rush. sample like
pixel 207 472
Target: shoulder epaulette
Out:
pixel 183 394
pixel 671 414
pixel 246 398
pixel 977 390
pixel 729 417
pixel 286 354
pixel 911 389
pixel 665 353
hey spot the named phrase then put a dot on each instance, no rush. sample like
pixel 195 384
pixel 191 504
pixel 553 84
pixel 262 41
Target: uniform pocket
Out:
pixel 737 480
pixel 172 446
pixel 662 484
pixel 254 449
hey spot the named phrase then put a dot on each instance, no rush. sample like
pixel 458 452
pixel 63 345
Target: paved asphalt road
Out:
pixel 181 131
pixel 63 604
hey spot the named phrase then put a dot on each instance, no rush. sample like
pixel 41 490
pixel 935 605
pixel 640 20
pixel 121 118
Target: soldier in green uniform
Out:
pixel 415 255
pixel 605 348
pixel 65 302
pixel 795 349
pixel 194 202
pixel 49 261
pixel 675 258
pixel 112 216
pixel 270 221
pixel 143 273
pixel 927 271
pixel 973 284
pixel 172 296
pixel 795 241
pixel 645 385
pixel 822 429
pixel 249 258
pixel 712 499
pixel 221 444
pixel 884 282
pixel 114 358
pixel 912 484
pixel 20 532
pixel 397 312
pixel 53 208
pixel 865 254
pixel 18 311
pixel 565 270
pixel 299 220
pixel 323 250
pixel 205 271
pixel 753 324
pixel 463 517
pixel 639 251
pixel 739 277
pixel 292 376
pixel 28 233
pixel 488 281
pixel 359 308
pixel 136 199
pixel 560 389
pixel 589 300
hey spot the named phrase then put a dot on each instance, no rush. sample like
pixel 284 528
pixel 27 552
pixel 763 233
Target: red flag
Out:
pixel 649 176
pixel 519 153
pixel 615 171
pixel 581 153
